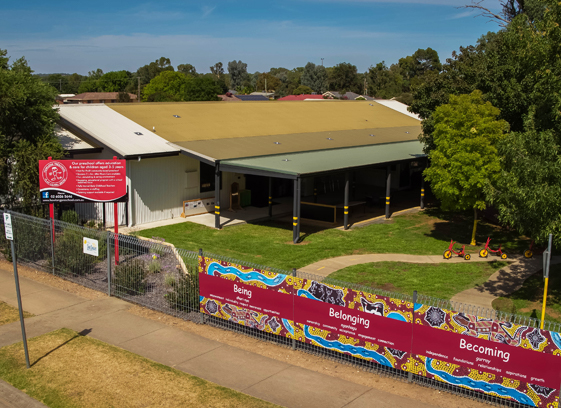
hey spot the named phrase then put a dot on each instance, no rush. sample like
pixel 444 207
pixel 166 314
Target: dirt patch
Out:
pixel 299 243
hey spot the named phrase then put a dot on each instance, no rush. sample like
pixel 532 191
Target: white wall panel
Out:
pixel 159 187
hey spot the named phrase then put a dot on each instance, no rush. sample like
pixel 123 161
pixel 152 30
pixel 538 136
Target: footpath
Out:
pixel 503 282
pixel 110 320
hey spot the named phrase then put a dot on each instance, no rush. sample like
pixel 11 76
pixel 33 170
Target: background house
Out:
pixel 97 97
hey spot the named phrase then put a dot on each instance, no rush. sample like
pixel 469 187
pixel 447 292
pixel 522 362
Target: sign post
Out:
pixel 10 237
pixel 84 181
pixel 52 214
pixel 116 215
pixel 546 262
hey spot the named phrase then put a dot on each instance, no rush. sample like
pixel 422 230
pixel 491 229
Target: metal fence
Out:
pixel 161 277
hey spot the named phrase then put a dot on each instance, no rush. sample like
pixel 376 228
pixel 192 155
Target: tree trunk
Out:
pixel 474 227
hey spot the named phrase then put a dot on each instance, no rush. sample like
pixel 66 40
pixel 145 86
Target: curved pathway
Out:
pixel 501 283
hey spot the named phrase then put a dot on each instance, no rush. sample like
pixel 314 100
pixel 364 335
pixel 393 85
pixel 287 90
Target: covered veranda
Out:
pixel 329 186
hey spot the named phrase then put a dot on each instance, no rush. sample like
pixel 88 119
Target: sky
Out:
pixel 79 36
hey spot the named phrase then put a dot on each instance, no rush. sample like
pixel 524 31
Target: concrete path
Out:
pixel 11 397
pixel 503 282
pixel 108 320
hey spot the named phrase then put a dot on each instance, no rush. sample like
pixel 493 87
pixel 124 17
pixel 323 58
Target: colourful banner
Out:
pixel 510 361
pixel 364 325
pixel 502 359
pixel 251 297
pixel 78 181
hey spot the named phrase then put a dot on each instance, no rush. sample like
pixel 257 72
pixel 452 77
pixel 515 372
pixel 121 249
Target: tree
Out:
pixel 187 69
pixel 91 84
pixel 466 71
pixel 272 82
pixel 238 73
pixel 217 70
pixel 152 70
pixel 510 9
pixel 27 121
pixel 526 193
pixel 114 81
pixel 201 89
pixel 344 78
pixel 123 97
pixel 315 77
pixel 302 90
pixel 167 86
pixel 422 61
pixel 465 158
pixel 384 82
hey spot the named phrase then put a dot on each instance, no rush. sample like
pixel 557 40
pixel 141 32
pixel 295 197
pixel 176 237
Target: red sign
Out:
pixel 369 327
pixel 491 357
pixel 265 301
pixel 78 181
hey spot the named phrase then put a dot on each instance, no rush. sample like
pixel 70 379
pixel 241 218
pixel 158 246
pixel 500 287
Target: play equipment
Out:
pixel 485 251
pixel 462 252
pixel 533 250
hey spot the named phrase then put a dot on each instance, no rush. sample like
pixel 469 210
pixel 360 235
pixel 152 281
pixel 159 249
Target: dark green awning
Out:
pixel 307 163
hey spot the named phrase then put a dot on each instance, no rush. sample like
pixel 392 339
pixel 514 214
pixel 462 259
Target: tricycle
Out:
pixel 462 252
pixel 484 253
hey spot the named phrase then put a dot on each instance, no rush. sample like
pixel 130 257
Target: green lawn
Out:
pixel 270 243
pixel 528 299
pixel 439 280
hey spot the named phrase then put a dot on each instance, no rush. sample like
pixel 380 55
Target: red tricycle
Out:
pixel 533 250
pixel 462 252
pixel 485 251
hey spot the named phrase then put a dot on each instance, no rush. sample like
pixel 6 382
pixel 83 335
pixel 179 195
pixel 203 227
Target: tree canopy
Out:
pixel 315 77
pixel 27 122
pixel 238 73
pixel 465 158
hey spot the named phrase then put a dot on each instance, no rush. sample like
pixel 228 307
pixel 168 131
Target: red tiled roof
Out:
pixel 95 96
pixel 300 97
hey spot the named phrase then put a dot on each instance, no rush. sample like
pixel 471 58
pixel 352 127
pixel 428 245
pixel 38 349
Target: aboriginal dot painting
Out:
pixel 255 313
pixel 367 303
pixel 511 334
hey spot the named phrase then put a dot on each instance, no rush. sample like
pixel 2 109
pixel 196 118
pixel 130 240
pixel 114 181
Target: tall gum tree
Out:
pixel 465 158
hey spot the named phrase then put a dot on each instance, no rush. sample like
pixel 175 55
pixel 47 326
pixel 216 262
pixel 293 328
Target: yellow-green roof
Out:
pixel 220 130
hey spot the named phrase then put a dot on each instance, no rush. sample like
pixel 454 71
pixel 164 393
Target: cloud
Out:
pixel 464 14
pixel 207 11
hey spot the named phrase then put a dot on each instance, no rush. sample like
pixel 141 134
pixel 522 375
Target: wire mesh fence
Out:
pixel 161 277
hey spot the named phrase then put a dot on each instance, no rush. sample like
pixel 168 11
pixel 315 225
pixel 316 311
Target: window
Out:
pixel 206 174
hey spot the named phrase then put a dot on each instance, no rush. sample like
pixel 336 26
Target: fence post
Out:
pixel 52 230
pixel 199 288
pixel 410 374
pixel 293 322
pixel 108 264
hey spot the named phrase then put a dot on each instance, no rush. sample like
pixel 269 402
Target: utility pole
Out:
pixel 138 94
pixel 265 85
pixel 365 91
pixel 60 85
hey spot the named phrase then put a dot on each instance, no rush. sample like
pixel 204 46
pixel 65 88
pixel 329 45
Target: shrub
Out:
pixel 155 266
pixel 32 239
pixel 70 217
pixel 130 277
pixel 185 293
pixel 169 280
pixel 69 253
